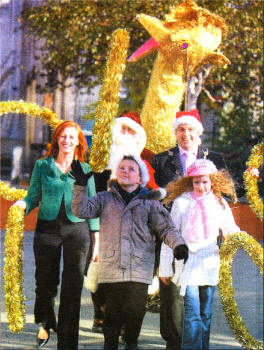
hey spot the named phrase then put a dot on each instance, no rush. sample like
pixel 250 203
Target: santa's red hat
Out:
pixel 191 118
pixel 132 115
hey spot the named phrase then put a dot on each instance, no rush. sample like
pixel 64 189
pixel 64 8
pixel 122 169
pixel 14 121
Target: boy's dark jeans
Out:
pixel 125 305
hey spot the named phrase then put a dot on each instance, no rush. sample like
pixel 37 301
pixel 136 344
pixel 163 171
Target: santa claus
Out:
pixel 129 137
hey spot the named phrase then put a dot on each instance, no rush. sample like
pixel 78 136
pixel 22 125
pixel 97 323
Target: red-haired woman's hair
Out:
pixel 80 150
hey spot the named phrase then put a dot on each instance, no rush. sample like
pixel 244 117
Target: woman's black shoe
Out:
pixel 42 342
pixel 97 327
pixel 131 346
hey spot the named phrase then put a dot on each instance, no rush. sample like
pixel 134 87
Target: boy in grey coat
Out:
pixel 128 223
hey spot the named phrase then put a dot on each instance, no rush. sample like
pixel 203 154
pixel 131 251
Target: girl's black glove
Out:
pixel 181 252
pixel 77 172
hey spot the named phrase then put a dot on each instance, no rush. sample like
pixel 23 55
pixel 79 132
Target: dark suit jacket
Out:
pixel 168 167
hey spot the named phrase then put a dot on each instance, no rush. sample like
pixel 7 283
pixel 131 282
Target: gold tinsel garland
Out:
pixel 251 181
pixel 11 194
pixel 32 109
pixel 13 269
pixel 108 102
pixel 232 243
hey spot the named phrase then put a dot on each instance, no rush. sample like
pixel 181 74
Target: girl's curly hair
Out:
pixel 222 183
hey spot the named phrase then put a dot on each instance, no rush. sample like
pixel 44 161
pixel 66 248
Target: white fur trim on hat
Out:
pixel 163 192
pixel 142 167
pixel 189 120
pixel 139 130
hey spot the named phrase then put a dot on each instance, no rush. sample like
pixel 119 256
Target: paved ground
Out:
pixel 248 292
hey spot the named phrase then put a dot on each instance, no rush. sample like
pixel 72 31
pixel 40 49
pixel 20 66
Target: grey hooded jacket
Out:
pixel 126 239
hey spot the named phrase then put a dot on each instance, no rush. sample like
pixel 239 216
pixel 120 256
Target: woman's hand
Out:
pixel 94 258
pixel 95 238
pixel 166 280
pixel 77 172
pixel 21 204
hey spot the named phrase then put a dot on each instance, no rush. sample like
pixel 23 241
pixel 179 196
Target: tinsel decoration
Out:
pixel 13 261
pixel 30 108
pixel 251 181
pixel 227 251
pixel 108 101
pixel 11 193
pixel 13 269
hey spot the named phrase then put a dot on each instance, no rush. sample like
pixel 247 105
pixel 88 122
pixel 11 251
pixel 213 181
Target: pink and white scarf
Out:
pixel 200 221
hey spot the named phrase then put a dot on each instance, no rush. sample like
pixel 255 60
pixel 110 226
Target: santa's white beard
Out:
pixel 128 140
pixel 125 145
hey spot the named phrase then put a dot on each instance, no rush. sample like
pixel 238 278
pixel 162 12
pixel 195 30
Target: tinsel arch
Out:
pixel 13 269
pixel 238 240
pixel 30 108
pixel 13 262
pixel 251 181
pixel 26 108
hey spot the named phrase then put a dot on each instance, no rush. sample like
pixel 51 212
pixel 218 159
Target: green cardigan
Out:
pixel 48 185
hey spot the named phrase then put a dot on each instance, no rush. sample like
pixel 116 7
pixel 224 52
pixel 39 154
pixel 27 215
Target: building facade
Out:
pixel 24 137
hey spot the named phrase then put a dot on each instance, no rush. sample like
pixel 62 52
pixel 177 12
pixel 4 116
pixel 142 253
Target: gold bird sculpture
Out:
pixel 186 40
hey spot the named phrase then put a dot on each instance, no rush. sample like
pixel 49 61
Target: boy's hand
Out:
pixel 181 252
pixel 77 172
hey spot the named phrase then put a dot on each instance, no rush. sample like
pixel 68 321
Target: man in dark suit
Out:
pixel 169 166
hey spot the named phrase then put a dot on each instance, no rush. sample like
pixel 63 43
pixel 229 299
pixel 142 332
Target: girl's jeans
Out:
pixel 197 317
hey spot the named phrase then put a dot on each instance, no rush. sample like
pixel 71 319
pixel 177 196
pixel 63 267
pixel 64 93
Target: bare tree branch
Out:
pixel 209 95
pixel 195 86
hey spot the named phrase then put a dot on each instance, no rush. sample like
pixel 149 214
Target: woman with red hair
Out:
pixel 59 232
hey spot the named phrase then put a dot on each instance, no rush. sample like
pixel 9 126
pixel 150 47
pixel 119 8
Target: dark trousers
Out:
pixel 98 304
pixel 125 304
pixel 171 315
pixel 49 239
pixel 98 296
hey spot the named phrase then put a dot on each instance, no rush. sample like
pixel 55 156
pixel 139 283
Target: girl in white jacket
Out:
pixel 198 211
